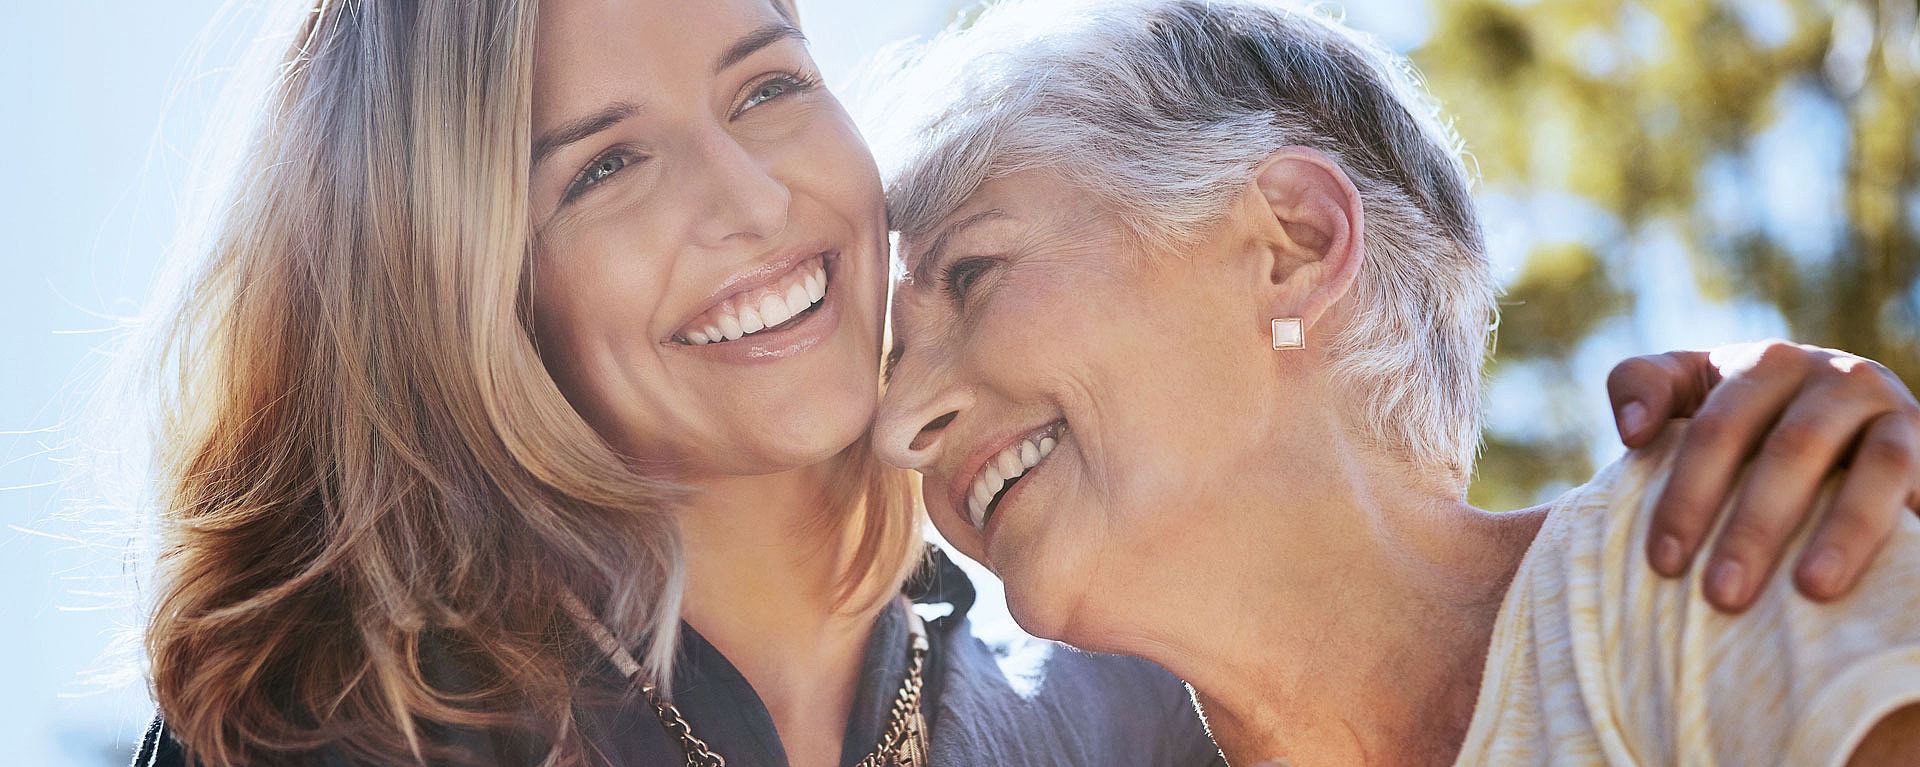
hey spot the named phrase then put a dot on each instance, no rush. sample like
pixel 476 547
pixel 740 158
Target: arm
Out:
pixel 1795 413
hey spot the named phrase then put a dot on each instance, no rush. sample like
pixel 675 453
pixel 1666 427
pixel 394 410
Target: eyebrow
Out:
pixel 760 38
pixel 610 115
pixel 574 131
pixel 923 271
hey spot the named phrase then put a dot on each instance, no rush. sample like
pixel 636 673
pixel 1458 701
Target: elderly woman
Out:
pixel 1188 352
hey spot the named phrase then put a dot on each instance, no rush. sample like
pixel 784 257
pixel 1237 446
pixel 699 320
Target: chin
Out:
pixel 1036 617
pixel 1056 590
pixel 1068 617
pixel 806 429
pixel 1043 603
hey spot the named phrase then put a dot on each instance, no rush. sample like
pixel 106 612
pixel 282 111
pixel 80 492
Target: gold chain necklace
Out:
pixel 902 744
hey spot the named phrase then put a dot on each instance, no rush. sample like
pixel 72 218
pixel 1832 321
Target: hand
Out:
pixel 1797 412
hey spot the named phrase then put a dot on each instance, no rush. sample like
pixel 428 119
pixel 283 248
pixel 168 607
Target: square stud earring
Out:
pixel 1288 335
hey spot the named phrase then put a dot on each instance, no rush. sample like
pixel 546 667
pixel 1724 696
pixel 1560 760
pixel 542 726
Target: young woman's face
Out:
pixel 710 240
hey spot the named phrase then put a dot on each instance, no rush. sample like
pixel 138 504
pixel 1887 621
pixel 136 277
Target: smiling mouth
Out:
pixel 1005 469
pixel 784 303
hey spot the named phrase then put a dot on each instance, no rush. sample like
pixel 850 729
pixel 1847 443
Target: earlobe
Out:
pixel 1315 231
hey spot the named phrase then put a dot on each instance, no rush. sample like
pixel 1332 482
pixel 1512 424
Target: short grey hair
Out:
pixel 1162 109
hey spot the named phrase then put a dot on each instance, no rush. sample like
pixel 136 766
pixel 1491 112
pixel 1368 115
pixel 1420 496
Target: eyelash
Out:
pixel 958 277
pixel 788 82
pixel 587 178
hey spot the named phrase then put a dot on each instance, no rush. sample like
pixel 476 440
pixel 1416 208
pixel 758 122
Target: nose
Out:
pixel 739 192
pixel 917 411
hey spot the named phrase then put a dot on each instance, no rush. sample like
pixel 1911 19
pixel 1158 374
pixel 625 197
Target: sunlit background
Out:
pixel 1657 174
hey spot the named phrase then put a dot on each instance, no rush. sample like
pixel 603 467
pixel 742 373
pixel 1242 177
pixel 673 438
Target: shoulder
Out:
pixel 1020 696
pixel 1003 696
pixel 1649 659
pixel 158 748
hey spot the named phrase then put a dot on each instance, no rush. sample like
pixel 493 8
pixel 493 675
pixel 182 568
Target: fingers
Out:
pixel 1726 429
pixel 1649 389
pixel 1884 481
pixel 1811 438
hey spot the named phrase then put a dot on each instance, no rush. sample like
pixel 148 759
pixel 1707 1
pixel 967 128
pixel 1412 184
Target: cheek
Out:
pixel 827 156
pixel 1152 395
pixel 565 314
pixel 1183 380
pixel 829 166
pixel 592 314
pixel 586 290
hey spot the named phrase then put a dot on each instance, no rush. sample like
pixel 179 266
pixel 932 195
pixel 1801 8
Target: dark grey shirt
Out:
pixel 1017 701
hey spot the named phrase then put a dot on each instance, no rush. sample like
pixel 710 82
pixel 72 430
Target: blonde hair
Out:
pixel 362 462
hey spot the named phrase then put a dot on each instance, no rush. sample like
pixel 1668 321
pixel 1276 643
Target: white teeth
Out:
pixel 1008 462
pixel 771 309
pixel 697 338
pixel 1004 467
pixel 797 300
pixel 750 321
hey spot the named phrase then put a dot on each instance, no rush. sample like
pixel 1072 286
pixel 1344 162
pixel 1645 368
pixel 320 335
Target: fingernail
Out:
pixel 1668 556
pixel 1633 416
pixel 1823 571
pixel 1727 584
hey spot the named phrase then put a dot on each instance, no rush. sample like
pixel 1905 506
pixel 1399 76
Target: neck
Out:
pixel 765 560
pixel 1349 625
pixel 1386 672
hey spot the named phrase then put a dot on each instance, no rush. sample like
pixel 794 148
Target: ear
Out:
pixel 1311 229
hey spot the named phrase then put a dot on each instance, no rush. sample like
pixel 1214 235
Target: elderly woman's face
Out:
pixel 710 252
pixel 1067 396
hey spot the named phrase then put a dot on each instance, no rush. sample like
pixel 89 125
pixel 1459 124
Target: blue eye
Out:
pixel 603 168
pixel 766 93
pixel 773 88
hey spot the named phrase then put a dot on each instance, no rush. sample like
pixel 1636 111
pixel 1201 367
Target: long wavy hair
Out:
pixel 363 464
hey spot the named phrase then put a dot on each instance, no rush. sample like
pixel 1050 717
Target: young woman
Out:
pixel 520 419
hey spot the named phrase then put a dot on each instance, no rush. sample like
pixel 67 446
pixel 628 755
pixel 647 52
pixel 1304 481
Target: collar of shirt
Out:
pixel 725 712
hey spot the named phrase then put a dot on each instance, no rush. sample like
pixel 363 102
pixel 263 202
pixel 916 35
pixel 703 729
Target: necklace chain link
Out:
pixel 902 744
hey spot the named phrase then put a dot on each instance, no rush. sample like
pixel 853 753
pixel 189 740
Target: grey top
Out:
pixel 1007 702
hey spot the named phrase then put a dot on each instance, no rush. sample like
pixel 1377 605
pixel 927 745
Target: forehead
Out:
pixel 587 52
pixel 1031 215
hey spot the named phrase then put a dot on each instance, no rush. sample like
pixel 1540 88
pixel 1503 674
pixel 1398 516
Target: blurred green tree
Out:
pixel 1689 121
